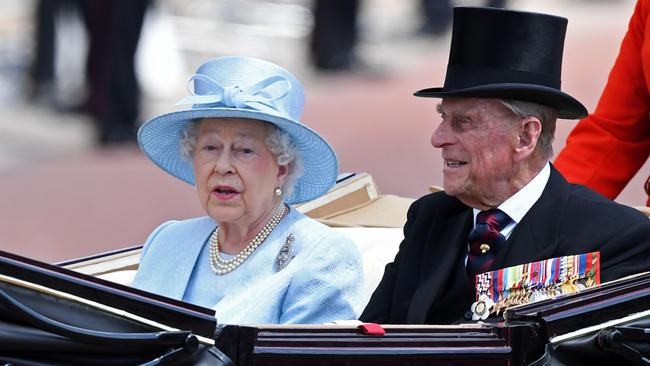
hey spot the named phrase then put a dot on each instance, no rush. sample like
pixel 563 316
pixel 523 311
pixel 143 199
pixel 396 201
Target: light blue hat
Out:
pixel 243 87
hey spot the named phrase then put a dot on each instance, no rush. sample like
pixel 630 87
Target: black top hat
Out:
pixel 507 54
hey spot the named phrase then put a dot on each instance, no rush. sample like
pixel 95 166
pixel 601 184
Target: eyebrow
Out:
pixel 466 113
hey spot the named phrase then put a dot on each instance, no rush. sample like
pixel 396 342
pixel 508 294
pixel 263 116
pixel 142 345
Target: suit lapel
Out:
pixel 185 260
pixel 446 238
pixel 537 236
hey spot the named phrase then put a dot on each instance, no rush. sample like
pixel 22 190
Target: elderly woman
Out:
pixel 254 258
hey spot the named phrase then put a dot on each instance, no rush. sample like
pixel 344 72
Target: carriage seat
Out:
pixel 378 247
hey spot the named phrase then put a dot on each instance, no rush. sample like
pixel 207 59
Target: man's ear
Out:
pixel 527 138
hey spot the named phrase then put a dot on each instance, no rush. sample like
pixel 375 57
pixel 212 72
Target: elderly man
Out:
pixel 499 106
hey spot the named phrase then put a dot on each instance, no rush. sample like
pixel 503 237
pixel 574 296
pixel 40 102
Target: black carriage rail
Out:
pixel 170 312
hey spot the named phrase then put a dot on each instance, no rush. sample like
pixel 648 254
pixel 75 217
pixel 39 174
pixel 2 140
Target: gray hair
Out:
pixel 546 115
pixel 278 142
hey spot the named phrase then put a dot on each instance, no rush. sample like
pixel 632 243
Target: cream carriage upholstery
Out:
pixel 378 246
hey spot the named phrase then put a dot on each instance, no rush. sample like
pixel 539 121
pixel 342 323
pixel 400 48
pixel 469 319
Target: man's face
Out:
pixel 478 139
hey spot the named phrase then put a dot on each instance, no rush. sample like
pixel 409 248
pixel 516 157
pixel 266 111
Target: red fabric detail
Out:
pixel 597 265
pixel 500 280
pixel 372 329
pixel 607 148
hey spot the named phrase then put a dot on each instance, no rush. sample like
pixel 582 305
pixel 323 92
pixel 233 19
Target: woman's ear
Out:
pixel 529 132
pixel 283 171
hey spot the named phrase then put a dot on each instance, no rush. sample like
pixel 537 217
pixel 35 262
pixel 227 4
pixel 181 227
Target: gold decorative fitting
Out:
pixel 484 248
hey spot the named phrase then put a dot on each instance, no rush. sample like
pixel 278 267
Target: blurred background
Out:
pixel 78 77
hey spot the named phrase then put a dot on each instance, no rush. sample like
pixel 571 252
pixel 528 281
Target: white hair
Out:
pixel 277 141
pixel 546 115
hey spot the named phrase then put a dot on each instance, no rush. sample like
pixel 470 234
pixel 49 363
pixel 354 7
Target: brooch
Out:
pixel 286 253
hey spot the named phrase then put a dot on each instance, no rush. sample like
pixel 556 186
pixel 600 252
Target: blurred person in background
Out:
pixel 606 149
pixel 438 14
pixel 254 258
pixel 42 68
pixel 113 29
pixel 334 36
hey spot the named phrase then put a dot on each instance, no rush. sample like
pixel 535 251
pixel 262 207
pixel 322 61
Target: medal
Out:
pixel 531 282
pixel 566 288
pixel 574 287
pixel 481 309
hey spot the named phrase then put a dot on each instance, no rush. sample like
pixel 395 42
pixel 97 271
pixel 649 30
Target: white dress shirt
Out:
pixel 520 203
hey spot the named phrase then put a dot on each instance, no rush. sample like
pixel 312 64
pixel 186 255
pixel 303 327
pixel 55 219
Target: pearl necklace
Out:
pixel 222 266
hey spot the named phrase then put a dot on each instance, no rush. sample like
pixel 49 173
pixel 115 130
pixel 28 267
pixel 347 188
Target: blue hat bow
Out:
pixel 260 96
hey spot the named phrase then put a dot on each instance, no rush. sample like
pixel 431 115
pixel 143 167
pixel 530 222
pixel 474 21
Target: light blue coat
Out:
pixel 320 284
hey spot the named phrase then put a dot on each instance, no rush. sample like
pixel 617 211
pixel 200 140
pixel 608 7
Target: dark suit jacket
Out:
pixel 426 283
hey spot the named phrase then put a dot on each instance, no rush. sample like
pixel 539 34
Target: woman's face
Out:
pixel 236 174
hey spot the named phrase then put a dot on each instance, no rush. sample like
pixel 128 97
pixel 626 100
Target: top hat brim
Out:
pixel 567 106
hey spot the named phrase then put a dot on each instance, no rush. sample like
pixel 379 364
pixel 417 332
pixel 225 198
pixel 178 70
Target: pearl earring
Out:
pixel 278 192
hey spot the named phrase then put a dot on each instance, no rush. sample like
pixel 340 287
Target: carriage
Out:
pixel 83 312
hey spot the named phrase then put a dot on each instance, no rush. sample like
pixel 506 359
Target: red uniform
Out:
pixel 608 147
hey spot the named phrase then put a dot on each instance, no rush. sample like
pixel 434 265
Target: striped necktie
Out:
pixel 485 241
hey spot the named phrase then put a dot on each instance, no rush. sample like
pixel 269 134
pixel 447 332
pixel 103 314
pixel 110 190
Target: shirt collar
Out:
pixel 520 203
